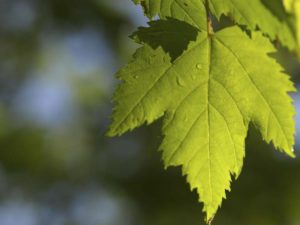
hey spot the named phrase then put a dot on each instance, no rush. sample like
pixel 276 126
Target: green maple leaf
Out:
pixel 207 87
pixel 269 16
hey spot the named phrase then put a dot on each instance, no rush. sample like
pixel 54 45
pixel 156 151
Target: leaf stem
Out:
pixel 210 29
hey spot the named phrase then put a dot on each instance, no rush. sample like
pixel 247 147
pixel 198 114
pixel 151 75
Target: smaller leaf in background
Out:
pixel 293 7
pixel 268 16
pixel 190 11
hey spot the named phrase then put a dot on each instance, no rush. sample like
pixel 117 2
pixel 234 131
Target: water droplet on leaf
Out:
pixel 179 82
pixel 199 66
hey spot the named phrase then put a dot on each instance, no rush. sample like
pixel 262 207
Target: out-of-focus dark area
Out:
pixel 57 61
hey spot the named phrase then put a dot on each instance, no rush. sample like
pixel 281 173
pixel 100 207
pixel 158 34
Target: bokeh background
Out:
pixel 57 65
